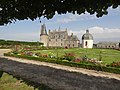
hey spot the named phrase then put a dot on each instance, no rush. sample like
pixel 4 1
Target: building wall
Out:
pixel 87 43
pixel 57 39
pixel 44 39
pixel 74 43
pixel 108 45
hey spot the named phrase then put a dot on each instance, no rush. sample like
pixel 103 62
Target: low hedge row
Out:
pixel 72 64
pixel 1 73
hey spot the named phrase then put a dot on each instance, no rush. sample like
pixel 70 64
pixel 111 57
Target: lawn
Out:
pixel 108 55
pixel 7 82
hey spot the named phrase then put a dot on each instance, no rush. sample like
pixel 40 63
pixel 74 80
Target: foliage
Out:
pixel 69 56
pixel 13 10
pixel 115 64
pixel 1 73
pixel 12 43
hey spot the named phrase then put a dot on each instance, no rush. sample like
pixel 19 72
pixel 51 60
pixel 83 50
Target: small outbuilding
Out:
pixel 87 40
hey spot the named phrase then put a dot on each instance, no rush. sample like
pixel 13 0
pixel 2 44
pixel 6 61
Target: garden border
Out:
pixel 72 64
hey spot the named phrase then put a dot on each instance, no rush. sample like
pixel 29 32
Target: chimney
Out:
pixel 71 34
pixel 49 31
pixel 87 31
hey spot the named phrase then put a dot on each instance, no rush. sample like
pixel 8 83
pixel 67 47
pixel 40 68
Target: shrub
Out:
pixel 69 56
pixel 77 60
pixel 115 64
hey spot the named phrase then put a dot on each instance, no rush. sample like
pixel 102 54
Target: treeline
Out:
pixel 11 42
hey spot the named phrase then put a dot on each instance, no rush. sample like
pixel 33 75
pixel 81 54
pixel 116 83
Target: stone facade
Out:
pixel 58 38
pixel 108 45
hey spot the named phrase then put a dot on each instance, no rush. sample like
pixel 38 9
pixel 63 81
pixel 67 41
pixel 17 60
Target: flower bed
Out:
pixel 115 64
pixel 82 64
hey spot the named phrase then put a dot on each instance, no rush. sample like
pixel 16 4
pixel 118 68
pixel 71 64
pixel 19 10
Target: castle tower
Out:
pixel 87 40
pixel 44 35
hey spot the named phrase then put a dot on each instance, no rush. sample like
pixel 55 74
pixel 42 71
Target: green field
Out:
pixel 7 82
pixel 108 55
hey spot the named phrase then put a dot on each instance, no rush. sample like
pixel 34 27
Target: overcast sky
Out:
pixel 106 28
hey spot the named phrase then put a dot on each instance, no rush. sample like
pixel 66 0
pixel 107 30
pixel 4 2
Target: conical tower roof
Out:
pixel 43 30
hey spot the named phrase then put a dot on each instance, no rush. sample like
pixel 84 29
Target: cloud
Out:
pixel 112 32
pixel 105 34
pixel 21 36
pixel 67 19
pixel 74 17
pixel 100 33
pixel 114 12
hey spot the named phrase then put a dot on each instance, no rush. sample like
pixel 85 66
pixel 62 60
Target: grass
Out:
pixel 7 82
pixel 108 55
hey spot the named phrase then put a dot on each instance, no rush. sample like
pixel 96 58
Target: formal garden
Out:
pixel 97 59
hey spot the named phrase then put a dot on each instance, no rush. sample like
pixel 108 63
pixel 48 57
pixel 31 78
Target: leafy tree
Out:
pixel 12 10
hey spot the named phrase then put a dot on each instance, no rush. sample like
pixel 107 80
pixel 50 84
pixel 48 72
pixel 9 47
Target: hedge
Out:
pixel 72 64
pixel 1 73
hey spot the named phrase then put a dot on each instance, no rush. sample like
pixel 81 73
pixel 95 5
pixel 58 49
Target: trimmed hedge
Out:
pixel 1 73
pixel 72 64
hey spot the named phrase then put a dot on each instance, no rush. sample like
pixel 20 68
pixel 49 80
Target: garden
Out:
pixel 97 59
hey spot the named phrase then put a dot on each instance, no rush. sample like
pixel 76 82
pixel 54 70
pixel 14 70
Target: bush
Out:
pixel 115 64
pixel 69 56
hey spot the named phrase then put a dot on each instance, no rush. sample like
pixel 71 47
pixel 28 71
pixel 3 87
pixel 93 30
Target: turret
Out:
pixel 44 35
pixel 87 40
pixel 43 30
pixel 59 28
pixel 49 31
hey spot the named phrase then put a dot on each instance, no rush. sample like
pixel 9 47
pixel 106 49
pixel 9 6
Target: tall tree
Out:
pixel 12 10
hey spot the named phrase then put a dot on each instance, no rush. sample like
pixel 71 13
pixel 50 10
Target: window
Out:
pixel 61 36
pixel 86 43
pixel 69 45
pixel 73 45
pixel 56 36
pixel 61 44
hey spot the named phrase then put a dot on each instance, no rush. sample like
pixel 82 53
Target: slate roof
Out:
pixel 87 36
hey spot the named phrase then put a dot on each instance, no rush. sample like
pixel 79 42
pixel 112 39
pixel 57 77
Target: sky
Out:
pixel 106 28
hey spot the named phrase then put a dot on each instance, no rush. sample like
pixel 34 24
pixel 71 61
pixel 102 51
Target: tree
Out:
pixel 12 10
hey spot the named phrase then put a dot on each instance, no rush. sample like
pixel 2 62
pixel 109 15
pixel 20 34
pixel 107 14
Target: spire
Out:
pixel 59 28
pixel 87 31
pixel 49 31
pixel 43 30
pixel 66 29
